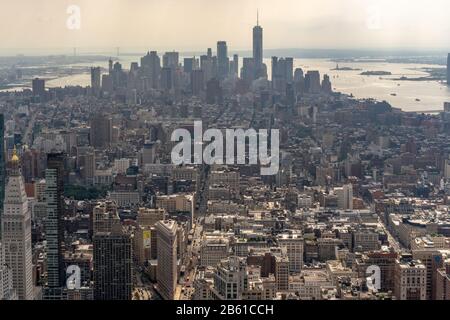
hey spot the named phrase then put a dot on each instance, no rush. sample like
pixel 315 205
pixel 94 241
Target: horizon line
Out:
pixel 132 50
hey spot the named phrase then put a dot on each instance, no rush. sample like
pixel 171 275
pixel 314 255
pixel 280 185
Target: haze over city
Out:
pixel 197 24
pixel 243 150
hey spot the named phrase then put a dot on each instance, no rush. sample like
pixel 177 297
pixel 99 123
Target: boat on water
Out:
pixel 393 94
pixel 418 100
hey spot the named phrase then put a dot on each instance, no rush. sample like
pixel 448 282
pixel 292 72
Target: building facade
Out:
pixel 16 233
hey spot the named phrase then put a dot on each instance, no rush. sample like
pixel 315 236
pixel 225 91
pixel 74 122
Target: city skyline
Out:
pixel 290 24
pixel 223 176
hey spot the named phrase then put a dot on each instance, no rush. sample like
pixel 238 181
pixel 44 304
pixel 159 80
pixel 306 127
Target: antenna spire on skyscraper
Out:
pixel 257 17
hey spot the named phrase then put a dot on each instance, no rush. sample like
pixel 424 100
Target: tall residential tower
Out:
pixel 54 176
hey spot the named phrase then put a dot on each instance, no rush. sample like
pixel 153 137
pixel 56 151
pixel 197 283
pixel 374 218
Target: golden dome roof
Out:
pixel 15 157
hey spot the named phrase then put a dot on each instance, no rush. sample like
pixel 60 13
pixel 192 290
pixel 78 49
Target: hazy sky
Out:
pixel 197 24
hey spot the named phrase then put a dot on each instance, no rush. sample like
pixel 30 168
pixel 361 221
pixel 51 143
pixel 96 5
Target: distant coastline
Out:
pixel 376 73
pixel 434 74
pixel 345 69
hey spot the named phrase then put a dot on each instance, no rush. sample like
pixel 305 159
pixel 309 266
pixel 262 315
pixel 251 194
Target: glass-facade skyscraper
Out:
pixel 54 176
pixel 222 59
pixel 258 46
pixel 260 69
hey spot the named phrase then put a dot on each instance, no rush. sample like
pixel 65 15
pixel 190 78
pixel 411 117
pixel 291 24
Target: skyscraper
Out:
pixel 289 63
pixel 107 84
pixel 167 78
pixel 54 177
pixel 112 254
pixel 119 77
pixel 282 73
pixel 110 66
pixel 283 69
pixel 166 272
pixel 275 72
pixel 112 266
pixel 258 47
pixel 312 82
pixel 96 79
pixel 87 165
pixel 151 63
pixel 214 92
pixel 235 70
pixel 100 131
pixel 16 232
pixel 2 166
pixel 197 82
pixel 38 86
pixel 188 65
pixel 326 84
pixel 248 70
pixel 171 59
pixel 222 59
pixel 207 66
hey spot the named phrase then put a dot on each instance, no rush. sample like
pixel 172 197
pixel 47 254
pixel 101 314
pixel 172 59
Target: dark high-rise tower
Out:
pixel 2 165
pixel 112 266
pixel 258 46
pixel 171 59
pixel 197 82
pixel 151 64
pixel 100 130
pixel 248 70
pixel 222 59
pixel 112 255
pixel 96 74
pixel 110 66
pixel 54 177
pixel 188 65
pixel 38 86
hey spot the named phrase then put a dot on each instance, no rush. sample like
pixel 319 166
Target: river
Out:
pixel 407 95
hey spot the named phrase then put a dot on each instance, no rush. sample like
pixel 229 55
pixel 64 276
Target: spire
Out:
pixel 257 17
